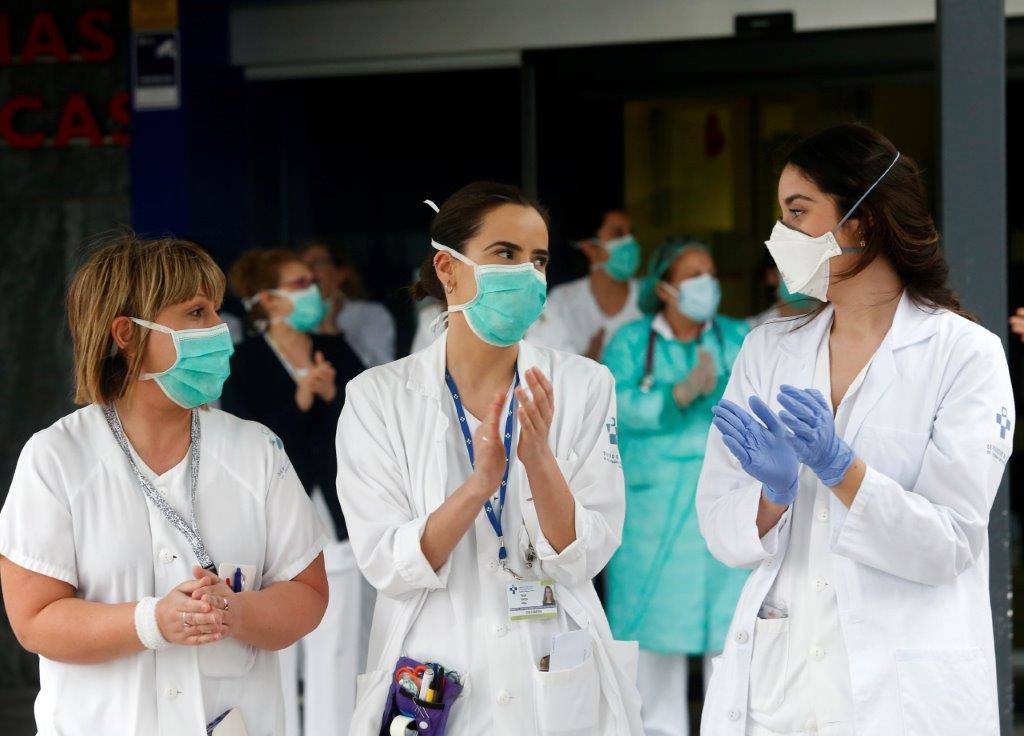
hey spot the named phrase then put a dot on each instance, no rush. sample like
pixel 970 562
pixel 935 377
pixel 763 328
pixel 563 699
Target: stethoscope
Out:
pixel 647 382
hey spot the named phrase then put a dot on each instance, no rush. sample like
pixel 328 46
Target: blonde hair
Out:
pixel 129 277
pixel 255 271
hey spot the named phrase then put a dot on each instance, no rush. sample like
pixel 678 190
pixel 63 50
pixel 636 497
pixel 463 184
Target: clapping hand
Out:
pixel 814 439
pixel 764 451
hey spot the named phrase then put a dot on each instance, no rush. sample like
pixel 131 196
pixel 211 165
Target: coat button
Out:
pixel 504 697
pixel 500 629
pixel 734 715
pixel 820 585
pixel 770 562
pixel 166 556
pixel 162 490
pixel 811 726
pixel 171 692
pixel 742 637
pixel 492 565
pixel 823 515
pixel 817 654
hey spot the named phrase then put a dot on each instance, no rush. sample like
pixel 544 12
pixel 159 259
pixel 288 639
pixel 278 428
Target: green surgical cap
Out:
pixel 660 262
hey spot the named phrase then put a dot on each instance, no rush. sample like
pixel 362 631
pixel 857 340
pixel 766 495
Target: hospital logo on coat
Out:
pixel 1005 425
pixel 611 455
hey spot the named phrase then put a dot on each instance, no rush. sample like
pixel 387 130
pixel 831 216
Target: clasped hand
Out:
pixel 199 611
pixel 772 449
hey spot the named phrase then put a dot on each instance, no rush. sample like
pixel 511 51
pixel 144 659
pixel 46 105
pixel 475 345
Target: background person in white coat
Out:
pixel 861 497
pixel 583 315
pixel 366 324
pixel 133 637
pixel 415 502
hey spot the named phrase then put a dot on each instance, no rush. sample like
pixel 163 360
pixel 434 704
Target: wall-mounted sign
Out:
pixel 69 104
pixel 155 78
pixel 42 40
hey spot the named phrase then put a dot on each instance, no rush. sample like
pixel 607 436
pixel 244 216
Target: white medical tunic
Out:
pixel 572 317
pixel 799 668
pixel 75 512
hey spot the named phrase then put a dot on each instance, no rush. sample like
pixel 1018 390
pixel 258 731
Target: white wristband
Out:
pixel 146 627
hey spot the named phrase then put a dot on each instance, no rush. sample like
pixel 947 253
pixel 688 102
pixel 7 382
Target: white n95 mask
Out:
pixel 803 261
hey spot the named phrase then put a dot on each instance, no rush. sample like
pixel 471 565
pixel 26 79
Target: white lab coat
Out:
pixel 75 512
pixel 369 329
pixel 426 331
pixel 910 556
pixel 572 317
pixel 392 476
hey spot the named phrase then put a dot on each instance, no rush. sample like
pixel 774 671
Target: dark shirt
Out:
pixel 260 388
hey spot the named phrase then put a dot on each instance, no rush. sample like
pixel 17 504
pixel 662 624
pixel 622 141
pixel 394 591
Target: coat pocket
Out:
pixel 567 702
pixel 230 657
pixel 371 696
pixel 226 658
pixel 769 663
pixel 945 692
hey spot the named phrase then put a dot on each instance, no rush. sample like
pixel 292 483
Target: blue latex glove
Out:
pixel 763 450
pixel 808 415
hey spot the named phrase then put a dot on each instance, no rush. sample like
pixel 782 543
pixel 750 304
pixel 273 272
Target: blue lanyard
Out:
pixel 493 516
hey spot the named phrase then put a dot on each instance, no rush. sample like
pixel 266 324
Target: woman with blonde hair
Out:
pixel 154 555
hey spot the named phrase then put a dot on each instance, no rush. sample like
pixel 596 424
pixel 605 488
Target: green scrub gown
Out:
pixel 663 586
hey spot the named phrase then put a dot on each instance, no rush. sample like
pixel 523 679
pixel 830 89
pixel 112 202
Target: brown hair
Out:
pixel 460 218
pixel 844 161
pixel 129 277
pixel 255 271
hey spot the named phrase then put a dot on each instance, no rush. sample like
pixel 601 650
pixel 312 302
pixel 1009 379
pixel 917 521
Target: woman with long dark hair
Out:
pixel 858 485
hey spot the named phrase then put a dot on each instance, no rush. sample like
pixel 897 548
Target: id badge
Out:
pixel 531 600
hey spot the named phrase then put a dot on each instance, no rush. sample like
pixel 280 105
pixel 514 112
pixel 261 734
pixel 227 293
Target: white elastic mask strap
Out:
pixel 453 253
pixel 159 328
pixel 458 256
pixel 864 196
pixel 153 325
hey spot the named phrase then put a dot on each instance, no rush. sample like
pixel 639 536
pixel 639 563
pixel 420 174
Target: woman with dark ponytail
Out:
pixel 481 482
pixel 859 483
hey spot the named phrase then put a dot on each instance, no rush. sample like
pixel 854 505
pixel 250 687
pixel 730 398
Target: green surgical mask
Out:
pixel 508 300
pixel 623 257
pixel 308 307
pixel 202 365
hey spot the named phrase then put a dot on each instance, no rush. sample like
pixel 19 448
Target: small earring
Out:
pixel 863 244
pixel 449 288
